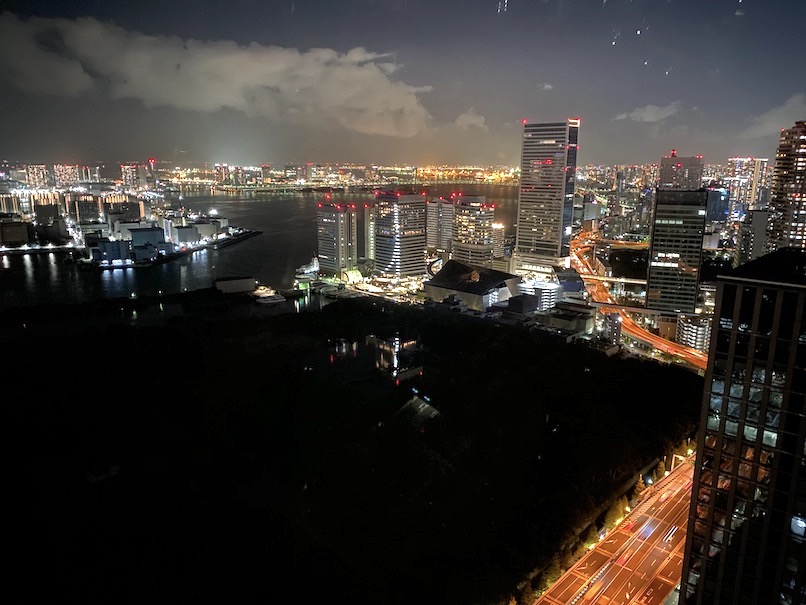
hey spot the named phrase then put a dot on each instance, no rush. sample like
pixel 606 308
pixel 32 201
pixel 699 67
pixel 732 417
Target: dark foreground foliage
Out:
pixel 220 462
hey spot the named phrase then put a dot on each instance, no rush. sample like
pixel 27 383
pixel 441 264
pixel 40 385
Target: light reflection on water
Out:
pixel 288 240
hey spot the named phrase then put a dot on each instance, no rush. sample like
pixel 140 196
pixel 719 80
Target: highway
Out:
pixel 629 326
pixel 640 561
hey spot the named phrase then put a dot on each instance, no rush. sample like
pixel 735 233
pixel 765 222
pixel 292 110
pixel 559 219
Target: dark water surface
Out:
pixel 288 240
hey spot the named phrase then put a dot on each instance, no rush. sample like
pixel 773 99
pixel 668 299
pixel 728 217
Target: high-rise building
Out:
pixel 746 537
pixel 546 196
pixel 787 224
pixel 337 231
pixel 439 223
pixel 751 239
pixel 369 231
pixel 745 180
pixel 473 231
pixel 132 176
pixel 400 234
pixel 718 206
pixel 66 175
pixel 678 172
pixel 37 176
pixel 675 251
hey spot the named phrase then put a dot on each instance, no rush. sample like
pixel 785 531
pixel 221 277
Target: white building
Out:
pixel 787 222
pixel 400 234
pixel 473 242
pixel 337 235
pixel 439 223
pixel 546 196
pixel 694 331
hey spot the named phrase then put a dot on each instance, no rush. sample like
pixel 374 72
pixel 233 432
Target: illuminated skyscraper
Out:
pixel 400 234
pixel 680 172
pixel 787 224
pixel 369 231
pixel 439 223
pixel 337 229
pixel 37 176
pixel 66 175
pixel 746 178
pixel 751 240
pixel 546 197
pixel 132 175
pixel 473 231
pixel 746 537
pixel 675 251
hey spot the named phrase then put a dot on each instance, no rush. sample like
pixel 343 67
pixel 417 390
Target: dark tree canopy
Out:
pixel 231 461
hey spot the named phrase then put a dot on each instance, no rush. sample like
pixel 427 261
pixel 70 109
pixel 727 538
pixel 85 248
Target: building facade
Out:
pixel 751 239
pixel 675 251
pixel 546 196
pixel 746 178
pixel 37 176
pixel 439 223
pixel 473 242
pixel 66 175
pixel 400 234
pixel 678 172
pixel 369 231
pixel 337 235
pixel 787 222
pixel 746 536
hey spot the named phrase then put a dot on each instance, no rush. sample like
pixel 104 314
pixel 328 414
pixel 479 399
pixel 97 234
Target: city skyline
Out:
pixel 394 81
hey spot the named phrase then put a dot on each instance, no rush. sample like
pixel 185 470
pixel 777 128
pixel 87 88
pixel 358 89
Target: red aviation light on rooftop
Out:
pixel 152 160
pixel 523 121
pixel 319 204
pixel 673 153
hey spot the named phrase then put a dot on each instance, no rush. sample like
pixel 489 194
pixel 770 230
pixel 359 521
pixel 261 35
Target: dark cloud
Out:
pixel 355 89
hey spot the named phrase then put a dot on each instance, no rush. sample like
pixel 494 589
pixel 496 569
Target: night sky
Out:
pixel 409 81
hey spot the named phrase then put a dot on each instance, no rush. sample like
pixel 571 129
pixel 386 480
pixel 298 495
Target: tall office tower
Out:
pixel 680 172
pixel 337 230
pixel 400 234
pixel 746 538
pixel 675 250
pixel 473 231
pixel 265 174
pixel 787 225
pixel 439 218
pixel 66 175
pixel 546 197
pixel 751 240
pixel 369 231
pixel 37 176
pixel 131 173
pixel 745 178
